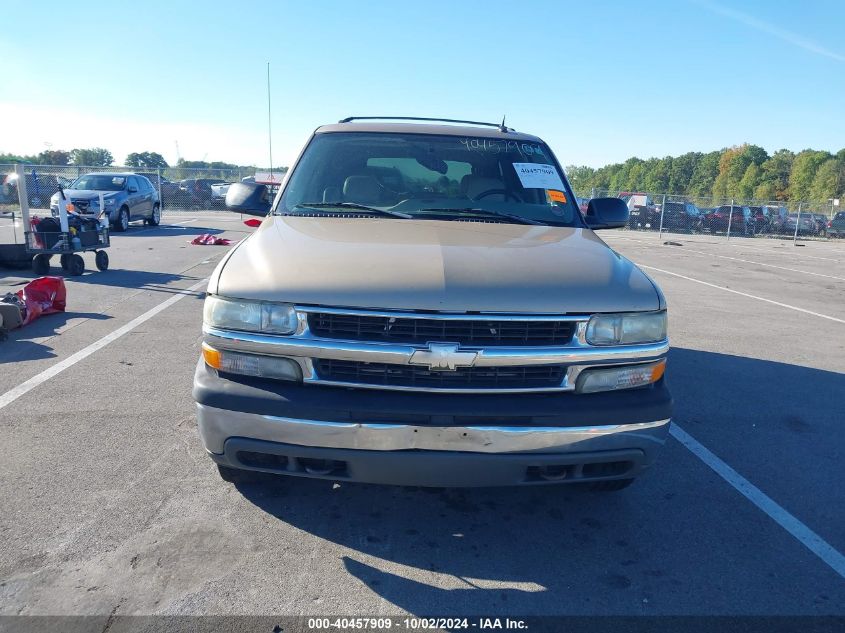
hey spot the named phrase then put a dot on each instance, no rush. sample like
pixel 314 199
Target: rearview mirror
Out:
pixel 248 198
pixel 607 213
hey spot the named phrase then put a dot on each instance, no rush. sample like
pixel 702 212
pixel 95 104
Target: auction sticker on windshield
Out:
pixel 556 196
pixel 538 176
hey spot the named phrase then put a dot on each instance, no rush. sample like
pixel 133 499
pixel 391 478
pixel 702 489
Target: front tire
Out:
pixel 122 222
pixel 155 218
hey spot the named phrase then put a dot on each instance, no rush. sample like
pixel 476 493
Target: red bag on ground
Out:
pixel 210 240
pixel 44 295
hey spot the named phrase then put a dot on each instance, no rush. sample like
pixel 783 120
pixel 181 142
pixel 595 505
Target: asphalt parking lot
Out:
pixel 109 505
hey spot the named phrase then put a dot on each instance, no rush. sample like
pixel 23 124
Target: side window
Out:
pixel 133 182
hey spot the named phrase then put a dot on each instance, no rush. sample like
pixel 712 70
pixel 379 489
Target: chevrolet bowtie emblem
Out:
pixel 443 357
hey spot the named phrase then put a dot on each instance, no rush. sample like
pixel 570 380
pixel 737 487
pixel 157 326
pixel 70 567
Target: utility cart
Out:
pixel 65 236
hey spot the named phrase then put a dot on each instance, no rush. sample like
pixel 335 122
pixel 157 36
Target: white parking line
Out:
pixel 748 261
pixel 26 386
pixel 745 294
pixel 779 248
pixel 782 517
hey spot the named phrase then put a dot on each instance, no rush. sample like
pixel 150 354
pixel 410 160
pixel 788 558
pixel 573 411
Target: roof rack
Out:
pixel 501 125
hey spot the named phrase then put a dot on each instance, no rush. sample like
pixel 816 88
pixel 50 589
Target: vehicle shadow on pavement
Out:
pixel 135 279
pixel 166 230
pixel 20 343
pixel 562 549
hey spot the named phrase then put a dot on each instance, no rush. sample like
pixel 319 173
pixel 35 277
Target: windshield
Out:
pixel 429 176
pixel 99 182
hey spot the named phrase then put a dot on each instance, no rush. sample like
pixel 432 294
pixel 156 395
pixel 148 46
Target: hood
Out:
pixel 432 265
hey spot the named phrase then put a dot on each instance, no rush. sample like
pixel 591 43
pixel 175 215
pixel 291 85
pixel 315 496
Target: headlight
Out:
pixel 108 201
pixel 625 329
pixel 252 316
pixel 626 377
pixel 275 367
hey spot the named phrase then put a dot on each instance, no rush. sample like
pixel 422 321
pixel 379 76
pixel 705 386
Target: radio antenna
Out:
pixel 269 124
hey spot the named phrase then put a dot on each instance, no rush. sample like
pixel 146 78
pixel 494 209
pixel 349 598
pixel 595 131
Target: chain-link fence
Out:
pixel 728 217
pixel 183 189
pixel 178 188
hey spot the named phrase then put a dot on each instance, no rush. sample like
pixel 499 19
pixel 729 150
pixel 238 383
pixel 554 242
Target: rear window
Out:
pixel 840 216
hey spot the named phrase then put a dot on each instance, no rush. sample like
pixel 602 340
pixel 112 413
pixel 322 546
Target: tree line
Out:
pixel 742 172
pixel 101 157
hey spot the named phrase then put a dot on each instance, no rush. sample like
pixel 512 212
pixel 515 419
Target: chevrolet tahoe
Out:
pixel 425 304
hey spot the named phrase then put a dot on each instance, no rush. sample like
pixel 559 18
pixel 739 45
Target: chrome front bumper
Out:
pixel 401 454
pixel 218 425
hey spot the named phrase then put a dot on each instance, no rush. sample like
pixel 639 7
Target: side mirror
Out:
pixel 248 198
pixel 132 190
pixel 607 213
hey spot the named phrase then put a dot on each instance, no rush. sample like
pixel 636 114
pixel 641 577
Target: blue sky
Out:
pixel 600 81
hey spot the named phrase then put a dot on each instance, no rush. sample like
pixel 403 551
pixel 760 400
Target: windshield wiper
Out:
pixel 487 212
pixel 351 205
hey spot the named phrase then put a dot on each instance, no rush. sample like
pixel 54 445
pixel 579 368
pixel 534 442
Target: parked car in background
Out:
pixel 196 193
pixel 681 216
pixel 643 212
pixel 169 191
pixel 760 216
pixel 821 223
pixel 39 187
pixel 126 197
pixel 836 226
pixel 806 224
pixel 740 220
pixel 775 218
pixel 582 204
pixel 218 194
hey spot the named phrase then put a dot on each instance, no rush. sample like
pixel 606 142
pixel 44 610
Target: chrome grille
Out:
pixel 81 204
pixel 409 376
pixel 475 332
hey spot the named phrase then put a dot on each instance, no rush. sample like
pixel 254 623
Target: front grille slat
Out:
pixel 383 374
pixel 419 329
